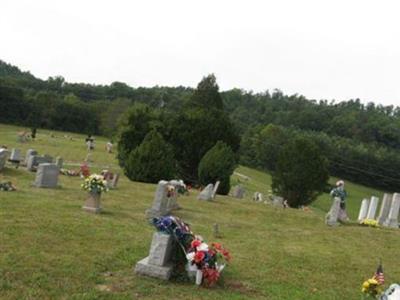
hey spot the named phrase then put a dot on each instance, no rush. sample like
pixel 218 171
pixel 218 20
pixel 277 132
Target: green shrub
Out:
pixel 218 164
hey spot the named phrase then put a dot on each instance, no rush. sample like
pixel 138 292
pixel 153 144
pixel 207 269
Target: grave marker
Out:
pixel 238 192
pixel 47 176
pixel 160 203
pixel 214 192
pixel 385 208
pixel 393 217
pixel 373 205
pixel 363 210
pixel 331 218
pixel 206 193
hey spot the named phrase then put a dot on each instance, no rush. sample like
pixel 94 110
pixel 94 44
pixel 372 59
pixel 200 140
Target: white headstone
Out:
pixel 47 175
pixel 393 218
pixel 373 205
pixel 363 210
pixel 331 218
pixel 158 264
pixel 214 192
pixel 206 193
pixel 385 208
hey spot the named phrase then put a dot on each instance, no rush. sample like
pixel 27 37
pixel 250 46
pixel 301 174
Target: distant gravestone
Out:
pixel 214 192
pixel 277 201
pixel 385 208
pixel 393 217
pixel 35 160
pixel 29 152
pixel 159 262
pixel 331 218
pixel 47 176
pixel 238 192
pixel 363 210
pixel 373 205
pixel 3 158
pixel 15 155
pixel 59 162
pixel 114 181
pixel 160 202
pixel 206 193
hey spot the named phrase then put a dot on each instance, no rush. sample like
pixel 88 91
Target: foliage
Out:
pixel 370 222
pixel 218 164
pixel 301 172
pixel 152 161
pixel 95 184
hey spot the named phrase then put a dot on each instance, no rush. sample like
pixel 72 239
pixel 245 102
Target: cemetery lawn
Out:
pixel 51 249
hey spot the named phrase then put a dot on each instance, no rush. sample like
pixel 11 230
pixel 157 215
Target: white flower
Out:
pixel 202 247
pixel 190 256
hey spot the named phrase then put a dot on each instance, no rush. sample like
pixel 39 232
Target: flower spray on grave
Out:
pixel 369 222
pixel 206 261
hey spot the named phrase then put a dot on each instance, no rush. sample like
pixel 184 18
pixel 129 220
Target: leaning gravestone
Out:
pixel 363 210
pixel 385 208
pixel 393 217
pixel 373 205
pixel 29 152
pixel 331 218
pixel 214 192
pixel 3 158
pixel 206 193
pixel 160 203
pixel 238 192
pixel 47 176
pixel 159 262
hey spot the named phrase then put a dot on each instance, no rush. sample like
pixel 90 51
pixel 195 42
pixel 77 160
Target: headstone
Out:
pixel 92 203
pixel 393 217
pixel 214 192
pixel 29 152
pixel 3 158
pixel 15 155
pixel 216 232
pixel 238 192
pixel 160 203
pixel 277 201
pixel 331 218
pixel 206 193
pixel 114 181
pixel 373 205
pixel 363 210
pixel 59 162
pixel 47 176
pixel 158 264
pixel 35 160
pixel 385 208
pixel 260 197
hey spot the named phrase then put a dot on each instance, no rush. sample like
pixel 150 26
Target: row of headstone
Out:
pixel 389 210
pixel 165 200
pixel 3 158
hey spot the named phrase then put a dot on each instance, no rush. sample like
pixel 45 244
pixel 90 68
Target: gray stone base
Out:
pixel 95 210
pixel 144 268
pixel 392 223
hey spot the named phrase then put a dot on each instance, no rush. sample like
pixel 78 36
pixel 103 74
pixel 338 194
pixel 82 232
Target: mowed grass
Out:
pixel 51 249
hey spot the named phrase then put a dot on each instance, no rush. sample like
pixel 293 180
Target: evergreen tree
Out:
pixel 301 172
pixel 218 164
pixel 152 161
pixel 207 94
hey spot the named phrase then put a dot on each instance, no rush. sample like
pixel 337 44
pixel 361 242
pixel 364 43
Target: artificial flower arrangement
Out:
pixel 207 261
pixel 372 288
pixel 7 186
pixel 369 222
pixel 95 184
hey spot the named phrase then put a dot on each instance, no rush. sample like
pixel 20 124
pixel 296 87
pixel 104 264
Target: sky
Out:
pixel 339 49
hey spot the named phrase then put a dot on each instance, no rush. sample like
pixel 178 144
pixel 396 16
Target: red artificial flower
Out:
pixel 195 243
pixel 226 254
pixel 210 276
pixel 211 252
pixel 217 246
pixel 199 256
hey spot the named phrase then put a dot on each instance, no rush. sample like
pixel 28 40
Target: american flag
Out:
pixel 379 275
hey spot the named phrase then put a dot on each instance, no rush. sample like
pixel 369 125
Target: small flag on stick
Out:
pixel 379 274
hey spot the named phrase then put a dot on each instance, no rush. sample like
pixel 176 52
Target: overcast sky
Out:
pixel 337 49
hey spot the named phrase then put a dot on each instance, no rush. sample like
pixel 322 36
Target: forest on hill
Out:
pixel 361 141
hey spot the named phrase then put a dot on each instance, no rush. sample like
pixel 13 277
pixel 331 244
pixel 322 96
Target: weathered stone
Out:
pixel 214 192
pixel 160 203
pixel 158 264
pixel 35 160
pixel 385 208
pixel 92 203
pixel 363 210
pixel 59 162
pixel 29 152
pixel 373 205
pixel 114 181
pixel 331 218
pixel 238 192
pixel 47 176
pixel 206 193
pixel 3 158
pixel 15 155
pixel 277 201
pixel 393 217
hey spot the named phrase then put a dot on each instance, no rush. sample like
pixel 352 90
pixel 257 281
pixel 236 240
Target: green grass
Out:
pixel 51 249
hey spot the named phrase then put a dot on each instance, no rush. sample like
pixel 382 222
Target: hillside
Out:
pixel 51 249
